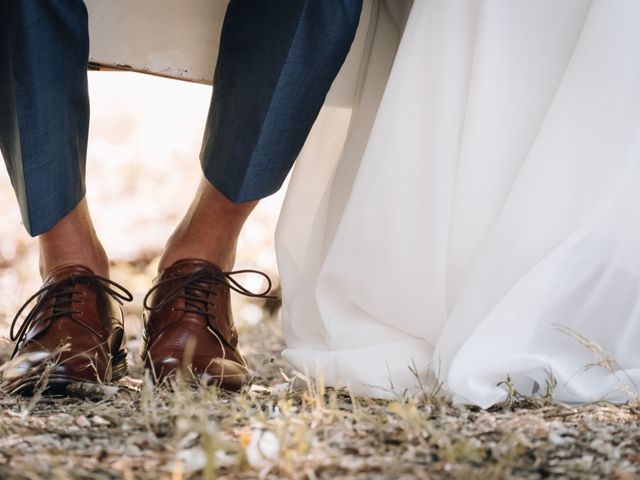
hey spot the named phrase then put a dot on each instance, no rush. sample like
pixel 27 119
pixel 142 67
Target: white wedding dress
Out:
pixel 476 214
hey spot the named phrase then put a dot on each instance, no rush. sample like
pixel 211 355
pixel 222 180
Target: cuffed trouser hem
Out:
pixel 44 106
pixel 277 61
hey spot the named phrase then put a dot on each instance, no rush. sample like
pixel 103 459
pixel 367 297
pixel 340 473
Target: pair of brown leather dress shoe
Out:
pixel 75 331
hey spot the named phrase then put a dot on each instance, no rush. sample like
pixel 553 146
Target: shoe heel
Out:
pixel 119 366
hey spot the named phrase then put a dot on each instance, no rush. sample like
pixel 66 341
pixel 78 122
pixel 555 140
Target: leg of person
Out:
pixel 44 119
pixel 276 64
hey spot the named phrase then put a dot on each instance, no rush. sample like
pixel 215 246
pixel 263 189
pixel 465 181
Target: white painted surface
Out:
pixel 180 39
pixel 163 37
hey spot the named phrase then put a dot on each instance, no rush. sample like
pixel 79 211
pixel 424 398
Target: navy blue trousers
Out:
pixel 276 63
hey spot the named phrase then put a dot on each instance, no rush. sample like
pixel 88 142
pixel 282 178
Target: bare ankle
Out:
pixel 209 231
pixel 92 258
pixel 181 247
pixel 73 241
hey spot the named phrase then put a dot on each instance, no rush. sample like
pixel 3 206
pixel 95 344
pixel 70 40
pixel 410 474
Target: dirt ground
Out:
pixel 142 166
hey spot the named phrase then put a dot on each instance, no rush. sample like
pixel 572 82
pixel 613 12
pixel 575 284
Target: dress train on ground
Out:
pixel 474 216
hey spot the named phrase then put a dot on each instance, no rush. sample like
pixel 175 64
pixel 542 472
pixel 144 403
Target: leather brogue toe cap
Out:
pixel 73 333
pixel 189 326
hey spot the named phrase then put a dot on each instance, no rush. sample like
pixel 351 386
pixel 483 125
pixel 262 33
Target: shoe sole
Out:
pixel 57 384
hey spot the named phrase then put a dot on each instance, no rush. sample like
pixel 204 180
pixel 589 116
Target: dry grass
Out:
pixel 284 427
pixel 287 427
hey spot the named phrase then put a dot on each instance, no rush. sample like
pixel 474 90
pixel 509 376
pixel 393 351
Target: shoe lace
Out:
pixel 196 288
pixel 61 292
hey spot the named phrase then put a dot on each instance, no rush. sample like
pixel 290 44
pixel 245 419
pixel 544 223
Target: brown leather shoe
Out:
pixel 189 325
pixel 73 333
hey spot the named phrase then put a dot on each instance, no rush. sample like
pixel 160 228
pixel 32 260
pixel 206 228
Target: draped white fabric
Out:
pixel 477 213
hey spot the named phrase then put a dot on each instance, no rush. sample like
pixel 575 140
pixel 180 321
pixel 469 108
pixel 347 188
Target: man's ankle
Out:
pixel 89 254
pixel 73 241
pixel 178 249
pixel 97 266
pixel 209 231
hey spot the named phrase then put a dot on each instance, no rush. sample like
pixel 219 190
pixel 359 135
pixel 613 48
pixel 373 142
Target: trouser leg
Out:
pixel 44 105
pixel 276 63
